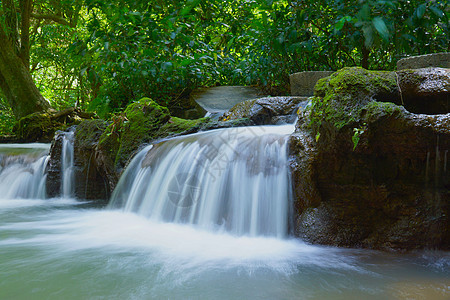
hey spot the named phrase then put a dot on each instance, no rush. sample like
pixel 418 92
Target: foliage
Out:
pixel 99 55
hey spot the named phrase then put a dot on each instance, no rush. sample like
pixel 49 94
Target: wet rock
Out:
pixel 53 182
pixel 425 90
pixel 376 175
pixel 41 127
pixel 265 111
pixel 94 180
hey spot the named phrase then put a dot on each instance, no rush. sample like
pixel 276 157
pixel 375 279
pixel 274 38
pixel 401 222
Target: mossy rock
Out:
pixel 37 127
pixel 142 122
pixel 88 133
pixel 340 97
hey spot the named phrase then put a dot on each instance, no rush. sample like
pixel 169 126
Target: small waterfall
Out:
pixel 234 179
pixel 67 178
pixel 22 171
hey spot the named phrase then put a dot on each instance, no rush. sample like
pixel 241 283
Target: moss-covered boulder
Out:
pixel 142 122
pixel 42 126
pixel 37 127
pixel 367 172
pixel 102 148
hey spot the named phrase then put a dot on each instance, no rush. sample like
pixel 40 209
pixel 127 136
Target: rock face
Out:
pixel 425 90
pixel 424 61
pixel 266 111
pixel 92 177
pixel 53 183
pixel 369 173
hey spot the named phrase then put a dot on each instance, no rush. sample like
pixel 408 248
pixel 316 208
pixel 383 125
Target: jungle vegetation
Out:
pixel 100 56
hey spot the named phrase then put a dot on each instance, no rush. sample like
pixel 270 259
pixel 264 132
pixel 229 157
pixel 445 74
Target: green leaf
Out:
pixel 340 24
pixel 438 13
pixel 380 26
pixel 420 11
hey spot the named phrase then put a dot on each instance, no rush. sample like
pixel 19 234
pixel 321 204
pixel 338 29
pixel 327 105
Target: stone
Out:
pixel 425 90
pixel 367 172
pixel 302 83
pixel 53 181
pixel 441 60
pixel 92 178
pixel 219 99
pixel 265 111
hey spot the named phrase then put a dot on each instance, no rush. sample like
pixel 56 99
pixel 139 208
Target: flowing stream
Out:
pixel 205 216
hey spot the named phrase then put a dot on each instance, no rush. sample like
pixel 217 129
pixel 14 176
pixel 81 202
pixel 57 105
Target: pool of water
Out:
pixel 68 249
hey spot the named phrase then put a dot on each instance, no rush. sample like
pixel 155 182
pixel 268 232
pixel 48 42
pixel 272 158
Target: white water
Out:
pixel 67 186
pixel 233 179
pixel 22 171
pixel 68 249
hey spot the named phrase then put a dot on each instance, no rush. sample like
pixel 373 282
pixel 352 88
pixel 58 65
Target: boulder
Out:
pixel 53 181
pixel 94 179
pixel 367 172
pixel 425 90
pixel 265 111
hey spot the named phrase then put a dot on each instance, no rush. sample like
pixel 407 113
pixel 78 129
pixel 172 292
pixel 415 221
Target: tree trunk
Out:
pixel 16 82
pixel 365 58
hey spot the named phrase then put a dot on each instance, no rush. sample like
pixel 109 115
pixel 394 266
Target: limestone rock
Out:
pixel 425 90
pixel 378 175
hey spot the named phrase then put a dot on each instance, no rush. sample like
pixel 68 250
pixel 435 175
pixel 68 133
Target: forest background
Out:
pixel 100 56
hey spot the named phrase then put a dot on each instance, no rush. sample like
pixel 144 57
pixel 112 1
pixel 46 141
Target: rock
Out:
pixel 425 90
pixel 219 99
pixel 94 180
pixel 102 149
pixel 302 83
pixel 375 175
pixel 264 111
pixel 441 60
pixel 41 127
pixel 37 127
pixel 53 181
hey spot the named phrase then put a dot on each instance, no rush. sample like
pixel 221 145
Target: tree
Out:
pixel 16 18
pixel 15 79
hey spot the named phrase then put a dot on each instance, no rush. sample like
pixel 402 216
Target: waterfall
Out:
pixel 67 178
pixel 22 171
pixel 234 179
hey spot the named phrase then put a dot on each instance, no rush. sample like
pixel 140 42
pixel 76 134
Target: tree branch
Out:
pixel 54 18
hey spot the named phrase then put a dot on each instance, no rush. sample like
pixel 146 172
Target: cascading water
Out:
pixel 231 179
pixel 22 171
pixel 234 179
pixel 67 178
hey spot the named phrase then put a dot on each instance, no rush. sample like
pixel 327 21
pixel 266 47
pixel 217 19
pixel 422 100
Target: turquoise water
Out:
pixel 68 249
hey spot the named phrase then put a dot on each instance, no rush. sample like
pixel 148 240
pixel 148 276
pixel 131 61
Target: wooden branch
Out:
pixel 54 18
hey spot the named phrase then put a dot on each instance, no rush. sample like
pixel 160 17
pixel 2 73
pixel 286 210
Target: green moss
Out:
pixel 375 110
pixel 340 97
pixel 142 122
pixel 178 125
pixel 88 132
pixel 37 127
